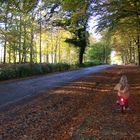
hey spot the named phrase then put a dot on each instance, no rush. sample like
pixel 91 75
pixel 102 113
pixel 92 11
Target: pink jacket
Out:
pixel 122 92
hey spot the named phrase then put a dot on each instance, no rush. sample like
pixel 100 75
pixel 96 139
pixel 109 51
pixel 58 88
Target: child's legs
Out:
pixel 126 103
pixel 117 102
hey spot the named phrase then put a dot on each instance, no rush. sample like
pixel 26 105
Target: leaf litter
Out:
pixel 81 110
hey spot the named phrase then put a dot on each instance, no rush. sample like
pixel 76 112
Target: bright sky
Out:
pixel 92 28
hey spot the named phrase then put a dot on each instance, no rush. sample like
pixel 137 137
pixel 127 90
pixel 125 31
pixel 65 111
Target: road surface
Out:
pixel 11 92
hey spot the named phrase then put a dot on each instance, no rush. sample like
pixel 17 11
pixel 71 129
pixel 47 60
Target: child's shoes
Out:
pixel 117 102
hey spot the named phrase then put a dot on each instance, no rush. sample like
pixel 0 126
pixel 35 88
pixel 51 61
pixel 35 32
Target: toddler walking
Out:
pixel 123 90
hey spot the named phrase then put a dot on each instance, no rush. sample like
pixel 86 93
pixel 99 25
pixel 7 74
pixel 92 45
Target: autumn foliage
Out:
pixel 80 110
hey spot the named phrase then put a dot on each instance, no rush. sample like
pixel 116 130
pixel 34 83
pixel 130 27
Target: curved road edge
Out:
pixel 12 92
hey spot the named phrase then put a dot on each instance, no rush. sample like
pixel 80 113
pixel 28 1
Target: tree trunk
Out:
pixel 56 48
pixel 82 35
pixel 69 55
pixel 40 47
pixel 133 54
pixel 105 54
pixel 130 52
pixel 52 48
pixel 5 43
pixel 1 55
pixel 81 54
pixel 47 54
pixel 5 47
pixel 138 44
pixel 31 46
pixel 24 45
pixel 59 49
pixel 9 55
pixel 20 36
pixel 47 58
pixel 35 54
pixel 15 54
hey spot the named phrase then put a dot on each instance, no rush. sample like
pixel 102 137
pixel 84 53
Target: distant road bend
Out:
pixel 11 92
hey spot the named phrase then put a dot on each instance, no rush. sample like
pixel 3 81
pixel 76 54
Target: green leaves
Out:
pixel 98 52
pixel 121 18
pixel 113 13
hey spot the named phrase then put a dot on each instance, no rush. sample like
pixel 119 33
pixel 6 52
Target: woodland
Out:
pixel 43 36
pixel 57 31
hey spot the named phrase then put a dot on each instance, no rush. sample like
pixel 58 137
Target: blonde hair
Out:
pixel 123 80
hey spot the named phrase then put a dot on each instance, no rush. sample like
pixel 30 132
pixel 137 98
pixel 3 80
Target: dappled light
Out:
pixel 46 90
pixel 81 109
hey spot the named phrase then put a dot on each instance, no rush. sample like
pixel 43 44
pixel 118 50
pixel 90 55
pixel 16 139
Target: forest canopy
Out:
pixel 55 31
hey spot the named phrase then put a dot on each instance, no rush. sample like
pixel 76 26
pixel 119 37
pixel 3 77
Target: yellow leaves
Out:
pixel 77 7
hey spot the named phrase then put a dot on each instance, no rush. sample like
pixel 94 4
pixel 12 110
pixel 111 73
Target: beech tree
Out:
pixel 74 18
pixel 113 14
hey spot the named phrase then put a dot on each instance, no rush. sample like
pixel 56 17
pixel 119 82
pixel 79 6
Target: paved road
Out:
pixel 14 91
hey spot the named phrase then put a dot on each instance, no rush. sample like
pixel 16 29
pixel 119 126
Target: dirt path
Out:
pixel 81 110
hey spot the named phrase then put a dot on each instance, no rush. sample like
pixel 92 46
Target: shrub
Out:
pixel 7 73
pixel 36 69
pixel 24 70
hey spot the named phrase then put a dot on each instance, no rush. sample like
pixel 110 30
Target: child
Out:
pixel 123 89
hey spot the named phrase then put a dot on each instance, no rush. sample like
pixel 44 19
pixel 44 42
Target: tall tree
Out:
pixel 5 20
pixel 74 18
pixel 113 14
pixel 79 12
